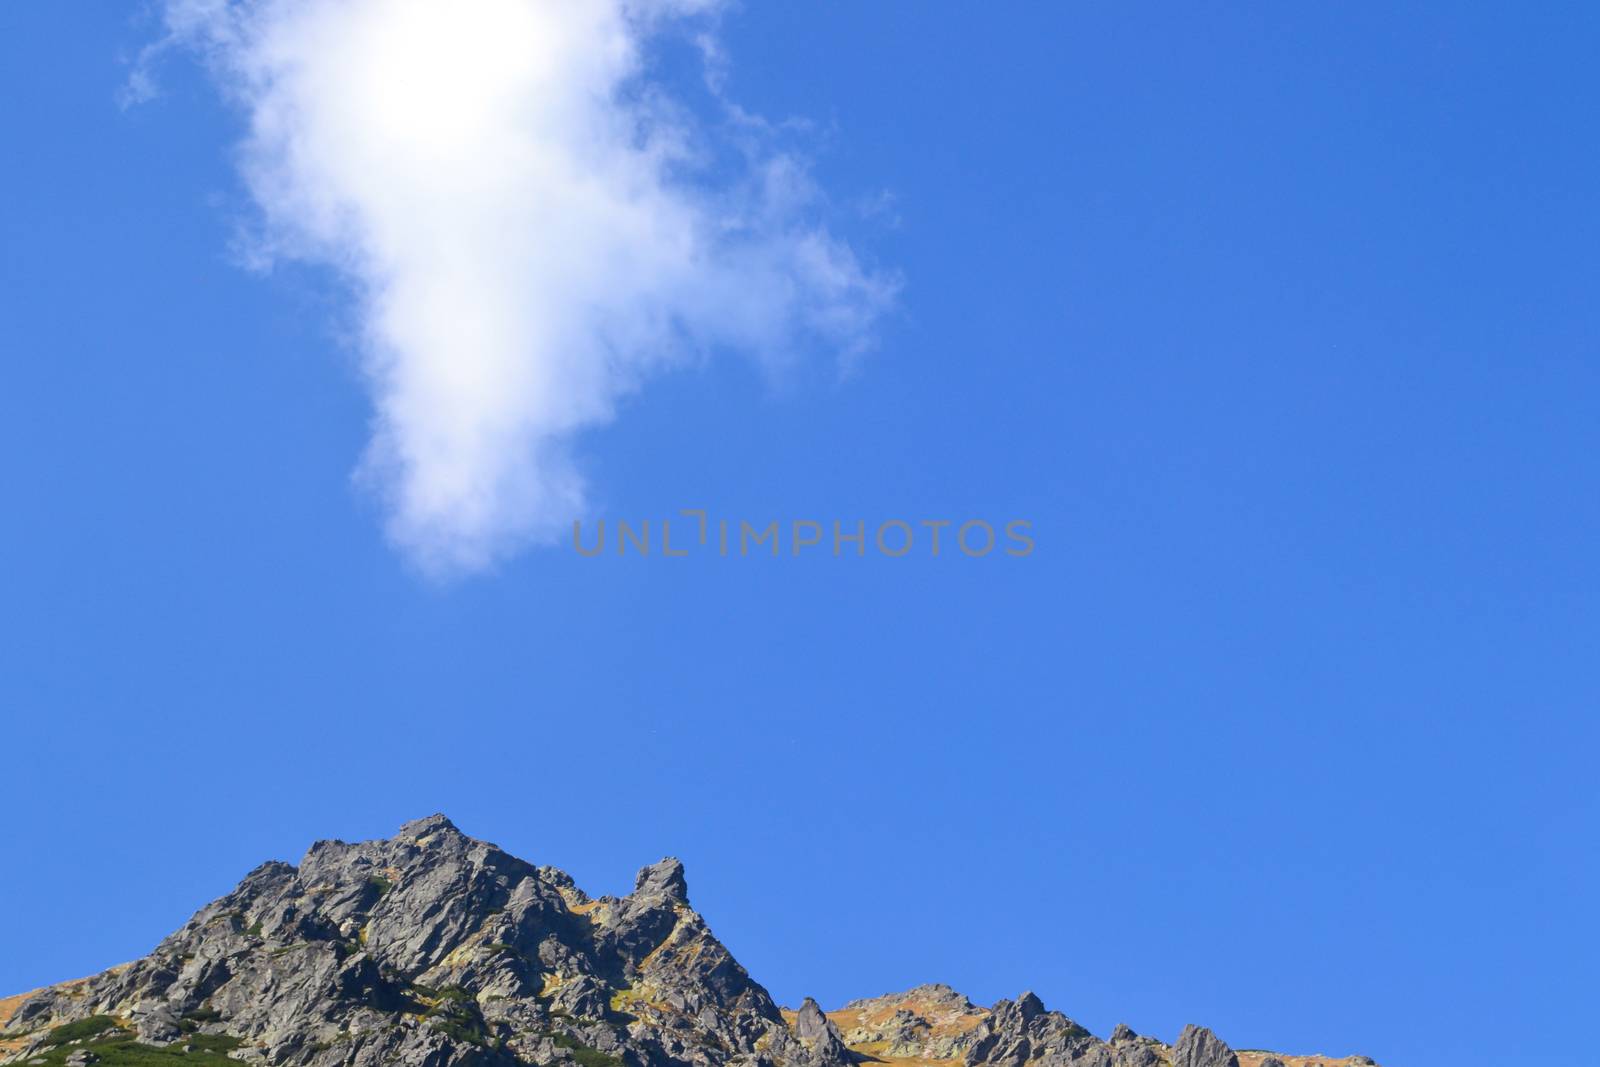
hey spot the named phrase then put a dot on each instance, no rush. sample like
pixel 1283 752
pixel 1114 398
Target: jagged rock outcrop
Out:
pixel 1199 1047
pixel 1133 1050
pixel 1023 1032
pixel 818 1034
pixel 432 949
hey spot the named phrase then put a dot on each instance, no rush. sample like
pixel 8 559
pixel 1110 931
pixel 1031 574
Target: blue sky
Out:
pixel 1278 326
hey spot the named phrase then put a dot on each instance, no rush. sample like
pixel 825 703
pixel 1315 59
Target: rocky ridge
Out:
pixel 433 949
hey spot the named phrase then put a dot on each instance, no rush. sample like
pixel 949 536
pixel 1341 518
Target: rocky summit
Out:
pixel 433 949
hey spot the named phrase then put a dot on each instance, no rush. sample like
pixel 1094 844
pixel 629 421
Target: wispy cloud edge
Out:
pixel 529 227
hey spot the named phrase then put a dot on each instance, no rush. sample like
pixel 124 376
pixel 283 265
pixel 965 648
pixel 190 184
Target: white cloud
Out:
pixel 529 227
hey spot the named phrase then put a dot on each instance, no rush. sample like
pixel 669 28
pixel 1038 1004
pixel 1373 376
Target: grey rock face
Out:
pixel 1023 1032
pixel 432 949
pixel 810 1024
pixel 156 1023
pixel 819 1036
pixel 1132 1050
pixel 663 879
pixel 1199 1047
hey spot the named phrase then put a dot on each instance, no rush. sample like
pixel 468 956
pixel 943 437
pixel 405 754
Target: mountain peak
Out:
pixel 663 878
pixel 434 949
pixel 437 823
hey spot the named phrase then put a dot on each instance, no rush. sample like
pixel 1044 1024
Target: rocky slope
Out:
pixel 432 949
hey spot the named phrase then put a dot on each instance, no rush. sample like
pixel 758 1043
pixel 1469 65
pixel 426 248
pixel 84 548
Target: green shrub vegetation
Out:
pixel 115 1047
pixel 94 1024
pixel 458 1030
pixel 454 1012
pixel 123 1051
pixel 586 1056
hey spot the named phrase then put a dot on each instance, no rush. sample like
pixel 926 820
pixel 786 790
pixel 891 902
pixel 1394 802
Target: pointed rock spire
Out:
pixel 817 1032
pixel 809 1022
pixel 663 879
pixel 1199 1047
